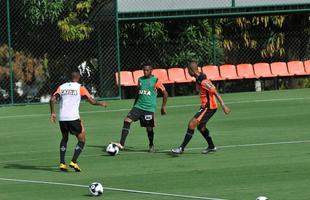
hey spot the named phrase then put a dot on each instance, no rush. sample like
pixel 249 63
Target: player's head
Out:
pixel 147 70
pixel 193 68
pixel 75 76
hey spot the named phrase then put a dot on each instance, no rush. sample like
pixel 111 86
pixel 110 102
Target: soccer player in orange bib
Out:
pixel 208 96
pixel 70 94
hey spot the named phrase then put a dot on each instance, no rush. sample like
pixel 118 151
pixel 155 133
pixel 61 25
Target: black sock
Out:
pixel 187 138
pixel 62 150
pixel 150 135
pixel 206 135
pixel 125 131
pixel 77 151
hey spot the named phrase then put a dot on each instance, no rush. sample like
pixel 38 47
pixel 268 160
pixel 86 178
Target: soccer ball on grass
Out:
pixel 112 149
pixel 96 189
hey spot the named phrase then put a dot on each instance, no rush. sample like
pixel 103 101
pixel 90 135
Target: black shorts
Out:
pixel 204 114
pixel 74 127
pixel 147 118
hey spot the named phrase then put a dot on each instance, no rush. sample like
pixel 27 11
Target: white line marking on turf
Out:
pixel 253 145
pixel 163 194
pixel 175 106
pixel 112 189
pixel 168 150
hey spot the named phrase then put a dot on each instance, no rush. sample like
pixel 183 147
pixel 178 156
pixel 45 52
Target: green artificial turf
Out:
pixel 263 151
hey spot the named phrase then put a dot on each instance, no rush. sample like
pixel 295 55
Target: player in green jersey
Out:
pixel 145 106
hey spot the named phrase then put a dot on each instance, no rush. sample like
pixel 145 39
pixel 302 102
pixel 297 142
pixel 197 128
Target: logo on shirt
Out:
pixel 69 92
pixel 145 92
pixel 208 85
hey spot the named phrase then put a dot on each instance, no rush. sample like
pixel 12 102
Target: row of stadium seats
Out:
pixel 223 72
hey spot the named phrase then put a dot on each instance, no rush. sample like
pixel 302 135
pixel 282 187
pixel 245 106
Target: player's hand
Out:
pixel 226 109
pixel 163 111
pixel 53 117
pixel 103 104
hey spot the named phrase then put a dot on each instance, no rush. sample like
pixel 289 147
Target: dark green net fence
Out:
pixel 38 51
pixel 42 57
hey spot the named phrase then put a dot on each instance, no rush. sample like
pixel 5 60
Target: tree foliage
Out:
pixel 42 11
pixel 75 26
pixel 196 41
pixel 174 44
pixel 71 16
pixel 249 32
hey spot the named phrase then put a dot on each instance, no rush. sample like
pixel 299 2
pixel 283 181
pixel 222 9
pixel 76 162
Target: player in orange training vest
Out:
pixel 208 96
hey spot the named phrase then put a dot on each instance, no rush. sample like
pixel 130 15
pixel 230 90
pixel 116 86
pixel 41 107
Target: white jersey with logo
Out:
pixel 70 98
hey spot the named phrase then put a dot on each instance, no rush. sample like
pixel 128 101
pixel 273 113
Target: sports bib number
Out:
pixel 148 117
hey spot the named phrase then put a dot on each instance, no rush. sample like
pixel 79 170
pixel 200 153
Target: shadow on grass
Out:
pixel 88 195
pixel 33 167
pixel 134 150
pixel 103 147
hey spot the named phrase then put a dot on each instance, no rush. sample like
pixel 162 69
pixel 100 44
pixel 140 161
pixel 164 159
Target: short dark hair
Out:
pixel 147 64
pixel 192 61
pixel 74 73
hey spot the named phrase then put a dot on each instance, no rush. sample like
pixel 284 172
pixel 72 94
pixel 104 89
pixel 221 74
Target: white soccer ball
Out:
pixel 112 149
pixel 261 198
pixel 96 189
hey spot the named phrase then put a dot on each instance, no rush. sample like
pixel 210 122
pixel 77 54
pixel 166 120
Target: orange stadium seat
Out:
pixel 307 66
pixel 262 70
pixel 279 69
pixel 245 71
pixel 229 72
pixel 136 75
pixel 296 68
pixel 126 78
pixel 212 72
pixel 177 75
pixel 162 75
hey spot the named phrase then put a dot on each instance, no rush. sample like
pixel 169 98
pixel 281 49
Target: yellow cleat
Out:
pixel 63 167
pixel 75 166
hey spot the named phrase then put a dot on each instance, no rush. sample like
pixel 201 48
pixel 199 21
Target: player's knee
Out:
pixel 192 124
pixel 126 124
pixel 149 129
pixel 82 140
pixel 127 120
pixel 204 131
pixel 65 138
pixel 81 137
pixel 201 127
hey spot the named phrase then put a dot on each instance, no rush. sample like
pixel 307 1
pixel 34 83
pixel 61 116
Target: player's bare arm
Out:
pixel 226 109
pixel 94 102
pixel 52 108
pixel 165 99
pixel 136 95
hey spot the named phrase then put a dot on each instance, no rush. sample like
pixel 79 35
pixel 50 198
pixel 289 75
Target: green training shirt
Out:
pixel 147 93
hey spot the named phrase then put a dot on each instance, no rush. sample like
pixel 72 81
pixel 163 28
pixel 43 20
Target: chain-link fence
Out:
pixel 41 43
pixel 45 50
pixel 215 41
